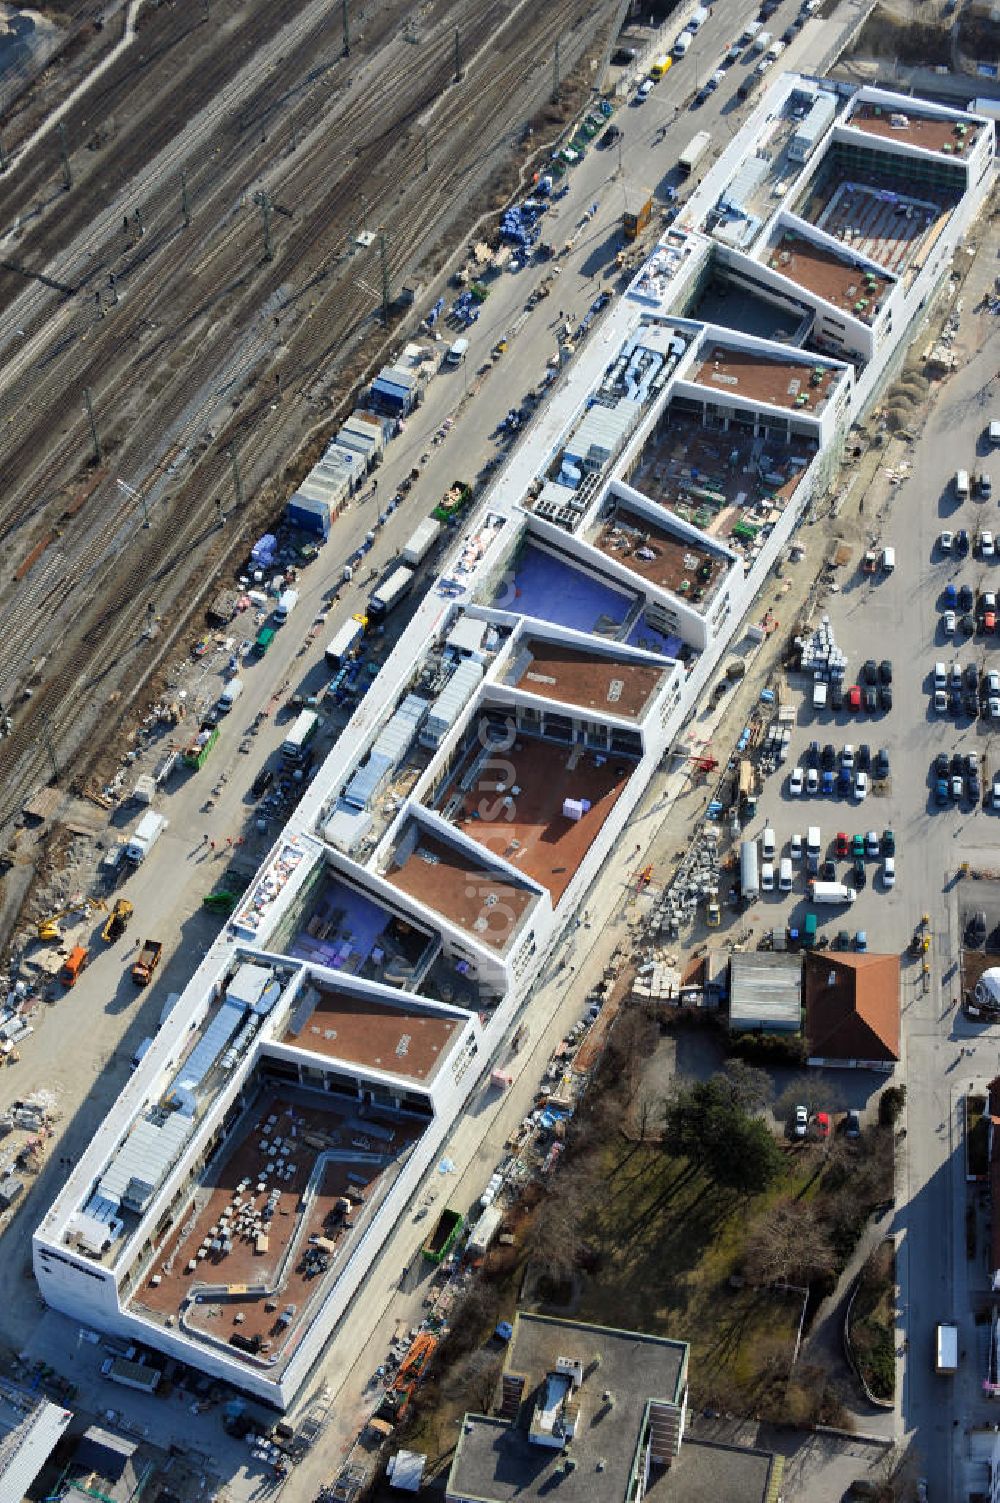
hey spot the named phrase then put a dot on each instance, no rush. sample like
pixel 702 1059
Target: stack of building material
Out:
pixel 820 654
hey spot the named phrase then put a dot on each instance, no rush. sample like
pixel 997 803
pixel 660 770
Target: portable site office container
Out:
pixel 294 745
pixel 345 640
pixel 390 593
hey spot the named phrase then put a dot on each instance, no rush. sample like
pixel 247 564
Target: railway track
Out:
pixel 108 600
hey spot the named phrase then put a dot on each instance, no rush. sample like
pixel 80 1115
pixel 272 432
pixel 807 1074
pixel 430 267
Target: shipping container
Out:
pixel 421 542
pixel 310 514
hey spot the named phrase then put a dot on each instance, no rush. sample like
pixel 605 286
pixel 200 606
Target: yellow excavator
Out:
pixel 118 921
pixel 48 928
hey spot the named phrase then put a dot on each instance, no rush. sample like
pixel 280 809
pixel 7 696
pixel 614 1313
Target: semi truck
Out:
pixel 831 892
pixel 421 542
pixel 131 1374
pixel 693 152
pixel 147 832
pixel 147 961
pixel 390 592
pixel 946 1347
pixel 344 643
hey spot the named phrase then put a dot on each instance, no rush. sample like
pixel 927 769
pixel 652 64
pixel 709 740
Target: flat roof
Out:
pixel 494 1459
pixel 680 565
pixel 776 380
pixel 932 132
pixel 305 1151
pixel 573 676
pixel 884 217
pixel 519 814
pixel 373 1033
pixel 765 991
pixel 837 278
pixel 708 1471
pixel 477 898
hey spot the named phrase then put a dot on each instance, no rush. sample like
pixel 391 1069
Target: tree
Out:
pixel 706 1124
pixel 751 1088
pixel 788 1245
pixel 890 1105
pixel 473 1379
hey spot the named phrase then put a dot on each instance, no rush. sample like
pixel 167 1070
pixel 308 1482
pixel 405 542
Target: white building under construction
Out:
pixel 229 1208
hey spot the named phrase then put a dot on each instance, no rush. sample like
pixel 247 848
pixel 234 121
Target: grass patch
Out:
pixel 873 1323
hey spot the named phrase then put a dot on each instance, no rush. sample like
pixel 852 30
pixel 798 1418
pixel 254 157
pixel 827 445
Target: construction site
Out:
pixel 199 262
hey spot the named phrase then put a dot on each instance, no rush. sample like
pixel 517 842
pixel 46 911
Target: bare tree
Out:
pixel 790 1244
pixel 474 1379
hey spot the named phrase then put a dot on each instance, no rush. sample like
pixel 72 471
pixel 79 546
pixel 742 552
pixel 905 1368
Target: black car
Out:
pixel 261 782
pixel 859 873
pixel 971 676
pixel 885 697
pixel 829 870
pixel 954 703
pixel 962 543
pixel 870 672
pixel 885 671
pixel 871 699
pixel 965 598
pixel 957 762
pixel 974 788
pixel 829 756
pixel 836 697
pixel 882 763
pixel 864 757
pixel 968 625
pixel 941 765
pixel 788 35
pixel 971 703
pixel 812 754
pixel 609 137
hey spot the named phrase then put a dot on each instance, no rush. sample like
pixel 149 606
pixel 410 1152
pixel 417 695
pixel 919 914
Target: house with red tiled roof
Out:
pixel 852 1010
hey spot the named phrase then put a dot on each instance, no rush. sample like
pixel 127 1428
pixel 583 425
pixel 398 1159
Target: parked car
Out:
pixel 836 698
pixel 801 1121
pixel 962 543
pixel 261 782
pixel 888 843
pixel 871 843
pixel 841 844
pixel 950 596
pixel 858 872
pixel 885 671
pixel 945 541
pixel 854 699
pixel 949 621
pixel 871 699
pixel 870 671
pixel 889 872
pixel 852 1125
pixel 829 755
pixel 995 792
pixel 812 781
pixel 881 764
pixel 885 697
pixel 796 782
pixel 847 756
pixel 861 786
pixel 965 598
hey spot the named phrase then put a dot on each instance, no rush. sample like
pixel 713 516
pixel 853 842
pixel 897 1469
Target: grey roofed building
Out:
pixel 588 1412
pixel 765 992
pixel 578 1402
pixel 29 1430
pixel 103 1453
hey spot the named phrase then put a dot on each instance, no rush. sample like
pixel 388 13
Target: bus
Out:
pixel 294 746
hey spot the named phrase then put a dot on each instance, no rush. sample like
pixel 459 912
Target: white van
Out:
pixel 813 840
pixel 761 41
pixel 768 843
pixel 230 694
pixel 962 484
pixel 785 874
pixel 457 352
pixel 888 559
pixel 681 45
pixel 287 602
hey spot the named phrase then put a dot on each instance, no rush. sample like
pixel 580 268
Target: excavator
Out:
pixel 49 931
pixel 118 921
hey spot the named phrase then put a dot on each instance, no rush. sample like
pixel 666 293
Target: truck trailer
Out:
pixel 421 542
pixel 443 1236
pixel 693 152
pixel 390 592
pixel 146 962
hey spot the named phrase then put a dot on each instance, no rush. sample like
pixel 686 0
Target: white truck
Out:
pixel 946 1348
pixel 831 892
pixel 693 152
pixel 390 593
pixel 230 695
pixel 343 643
pixel 147 832
pixel 421 542
pixel 287 602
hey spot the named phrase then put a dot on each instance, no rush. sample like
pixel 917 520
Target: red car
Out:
pixel 822 1124
pixel 854 698
pixel 842 845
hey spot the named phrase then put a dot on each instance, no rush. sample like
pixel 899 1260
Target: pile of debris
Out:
pixel 695 881
pixel 657 980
